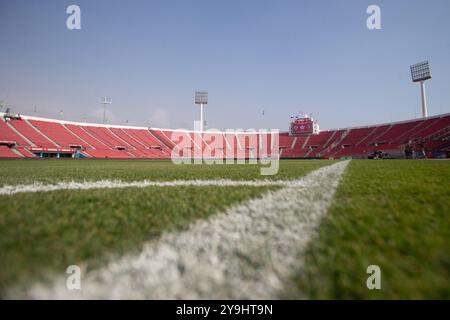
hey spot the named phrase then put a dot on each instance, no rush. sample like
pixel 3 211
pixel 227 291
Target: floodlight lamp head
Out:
pixel 201 97
pixel 420 71
pixel 106 100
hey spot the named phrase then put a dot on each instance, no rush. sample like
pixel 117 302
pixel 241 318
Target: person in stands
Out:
pixel 408 150
pixel 421 150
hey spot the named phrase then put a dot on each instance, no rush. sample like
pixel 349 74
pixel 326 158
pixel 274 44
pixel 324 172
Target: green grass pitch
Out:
pixel 394 214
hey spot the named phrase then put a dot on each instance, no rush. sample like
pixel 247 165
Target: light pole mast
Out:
pixel 201 117
pixel 105 101
pixel 420 72
pixel 424 99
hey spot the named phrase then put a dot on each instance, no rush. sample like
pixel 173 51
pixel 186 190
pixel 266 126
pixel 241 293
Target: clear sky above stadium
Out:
pixel 281 56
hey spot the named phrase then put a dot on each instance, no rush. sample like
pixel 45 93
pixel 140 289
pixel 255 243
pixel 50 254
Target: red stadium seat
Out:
pixel 103 141
pixel 6 152
pixel 30 132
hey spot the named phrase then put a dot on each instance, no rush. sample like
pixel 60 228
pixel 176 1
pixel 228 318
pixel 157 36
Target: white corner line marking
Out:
pixel 250 251
pixel 116 184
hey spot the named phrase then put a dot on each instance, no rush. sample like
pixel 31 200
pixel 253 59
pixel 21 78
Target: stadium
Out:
pixel 110 210
pixel 53 193
pixel 31 137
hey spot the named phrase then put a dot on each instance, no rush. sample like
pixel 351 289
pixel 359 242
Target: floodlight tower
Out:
pixel 104 101
pixel 420 72
pixel 201 98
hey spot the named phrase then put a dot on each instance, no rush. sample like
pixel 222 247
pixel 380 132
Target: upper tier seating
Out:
pixel 320 140
pixel 88 138
pixel 215 141
pixel 106 136
pixel 127 138
pixel 32 134
pixel 8 134
pixel 355 136
pixel 286 141
pixel 394 131
pixel 58 133
pixel 434 126
pixel 375 133
pixel 163 136
pixel 145 138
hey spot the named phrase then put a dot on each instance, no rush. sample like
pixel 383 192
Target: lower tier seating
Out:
pixel 6 152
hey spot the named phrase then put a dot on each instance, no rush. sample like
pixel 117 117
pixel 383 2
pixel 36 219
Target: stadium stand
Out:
pixel 110 153
pixel 85 136
pixel 29 137
pixel 31 133
pixel 163 138
pixel 6 152
pixel 8 134
pixel 25 152
pixel 216 145
pixel 127 138
pixel 106 136
pixel 57 133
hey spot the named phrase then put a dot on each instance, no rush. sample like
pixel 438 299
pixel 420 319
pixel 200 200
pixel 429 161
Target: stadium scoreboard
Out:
pixel 303 126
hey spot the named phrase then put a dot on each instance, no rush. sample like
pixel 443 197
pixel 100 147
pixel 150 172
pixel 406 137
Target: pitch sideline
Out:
pixel 117 184
pixel 248 252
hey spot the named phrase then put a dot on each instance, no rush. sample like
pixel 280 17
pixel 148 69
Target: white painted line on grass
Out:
pixel 113 184
pixel 250 251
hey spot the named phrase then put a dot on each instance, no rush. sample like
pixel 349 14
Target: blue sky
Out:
pixel 251 55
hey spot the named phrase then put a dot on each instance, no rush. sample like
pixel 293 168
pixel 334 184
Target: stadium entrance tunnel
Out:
pixel 53 153
pixel 56 155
